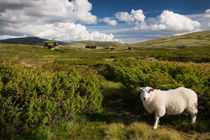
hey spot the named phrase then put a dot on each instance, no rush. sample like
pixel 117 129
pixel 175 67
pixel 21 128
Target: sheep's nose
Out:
pixel 144 98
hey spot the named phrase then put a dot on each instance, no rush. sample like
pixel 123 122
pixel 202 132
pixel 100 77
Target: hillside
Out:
pixel 96 43
pixel 39 41
pixel 196 39
pixel 26 41
pixel 175 48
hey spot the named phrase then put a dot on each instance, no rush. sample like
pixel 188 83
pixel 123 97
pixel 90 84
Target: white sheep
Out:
pixel 172 102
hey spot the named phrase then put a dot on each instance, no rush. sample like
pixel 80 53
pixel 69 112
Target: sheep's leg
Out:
pixel 160 113
pixel 193 116
pixel 156 121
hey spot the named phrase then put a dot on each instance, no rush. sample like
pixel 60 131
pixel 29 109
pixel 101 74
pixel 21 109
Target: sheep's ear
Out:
pixel 139 88
pixel 152 89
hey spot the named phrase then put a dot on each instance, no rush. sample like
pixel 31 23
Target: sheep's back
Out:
pixel 178 100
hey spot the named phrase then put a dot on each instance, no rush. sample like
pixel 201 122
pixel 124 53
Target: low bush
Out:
pixel 160 76
pixel 34 99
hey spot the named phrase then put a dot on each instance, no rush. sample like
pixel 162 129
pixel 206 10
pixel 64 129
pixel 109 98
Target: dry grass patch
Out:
pixel 139 131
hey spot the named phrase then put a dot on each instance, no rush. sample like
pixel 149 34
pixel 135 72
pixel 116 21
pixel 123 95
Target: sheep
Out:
pixel 171 102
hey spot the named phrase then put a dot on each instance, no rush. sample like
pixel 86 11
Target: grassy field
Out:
pixel 186 48
pixel 119 119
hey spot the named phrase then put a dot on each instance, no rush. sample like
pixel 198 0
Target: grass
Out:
pixel 197 39
pixel 164 49
pixel 139 131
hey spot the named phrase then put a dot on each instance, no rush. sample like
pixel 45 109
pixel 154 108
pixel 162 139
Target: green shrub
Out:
pixel 160 76
pixel 34 99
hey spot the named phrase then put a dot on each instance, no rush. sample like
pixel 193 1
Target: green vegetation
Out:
pixel 26 41
pixel 198 39
pixel 102 44
pixel 184 48
pixel 34 99
pixel 50 41
pixel 160 76
pixel 78 93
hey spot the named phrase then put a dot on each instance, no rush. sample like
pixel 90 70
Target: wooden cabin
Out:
pixel 90 47
pixel 51 44
pixel 182 47
pixel 130 48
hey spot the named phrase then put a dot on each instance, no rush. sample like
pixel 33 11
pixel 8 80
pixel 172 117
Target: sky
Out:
pixel 128 21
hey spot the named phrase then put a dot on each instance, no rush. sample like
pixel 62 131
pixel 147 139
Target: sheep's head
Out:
pixel 145 92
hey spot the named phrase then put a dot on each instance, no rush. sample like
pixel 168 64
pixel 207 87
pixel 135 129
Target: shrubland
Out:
pixel 159 75
pixel 32 100
pixel 65 101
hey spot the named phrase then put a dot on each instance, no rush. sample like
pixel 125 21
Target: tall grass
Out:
pixel 139 131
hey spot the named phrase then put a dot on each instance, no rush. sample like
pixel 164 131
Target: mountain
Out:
pixel 39 41
pixel 26 41
pixel 196 39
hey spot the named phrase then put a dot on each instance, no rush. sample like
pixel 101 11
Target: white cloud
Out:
pixel 109 21
pixel 62 31
pixel 47 10
pixel 209 24
pixel 168 20
pixel 9 36
pixel 138 15
pixel 52 19
pixel 171 21
pixel 134 16
pixel 141 26
pixel 207 13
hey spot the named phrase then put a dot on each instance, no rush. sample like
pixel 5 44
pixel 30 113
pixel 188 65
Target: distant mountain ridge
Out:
pixel 26 41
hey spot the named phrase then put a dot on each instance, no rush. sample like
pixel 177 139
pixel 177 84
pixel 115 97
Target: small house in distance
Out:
pixel 90 47
pixel 130 48
pixel 182 47
pixel 51 44
pixel 108 48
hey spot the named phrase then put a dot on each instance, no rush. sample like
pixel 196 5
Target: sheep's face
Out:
pixel 145 92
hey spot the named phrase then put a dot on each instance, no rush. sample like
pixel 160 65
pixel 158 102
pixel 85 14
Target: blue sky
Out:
pixel 103 8
pixel 127 21
pixel 151 9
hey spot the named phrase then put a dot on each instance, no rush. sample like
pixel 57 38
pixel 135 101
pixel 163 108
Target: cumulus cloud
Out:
pixel 53 19
pixel 109 21
pixel 9 36
pixel 168 20
pixel 141 26
pixel 50 10
pixel 207 13
pixel 61 31
pixel 171 21
pixel 134 16
pixel 71 31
